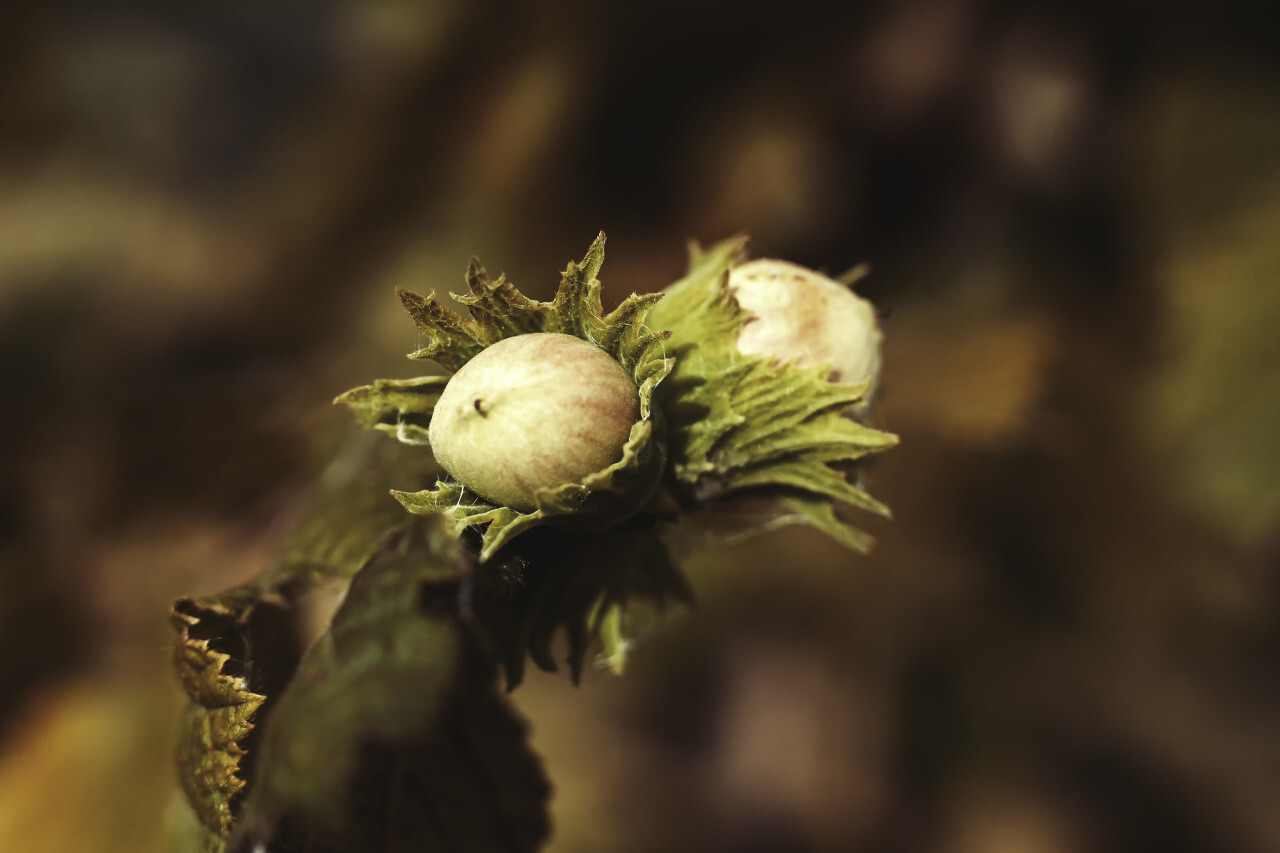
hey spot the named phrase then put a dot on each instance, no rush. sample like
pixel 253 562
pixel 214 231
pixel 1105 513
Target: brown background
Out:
pixel 1067 640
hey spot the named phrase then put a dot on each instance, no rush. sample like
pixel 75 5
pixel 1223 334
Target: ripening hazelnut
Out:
pixel 530 413
pixel 800 316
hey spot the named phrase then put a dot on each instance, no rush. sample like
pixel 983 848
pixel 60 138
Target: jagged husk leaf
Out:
pixel 401 407
pixel 737 422
pixel 600 500
pixel 392 734
pixel 238 648
pixel 498 311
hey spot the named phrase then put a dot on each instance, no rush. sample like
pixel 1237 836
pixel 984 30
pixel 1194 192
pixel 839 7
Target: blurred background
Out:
pixel 1067 640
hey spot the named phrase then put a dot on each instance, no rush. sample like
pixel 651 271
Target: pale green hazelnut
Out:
pixel 802 317
pixel 532 413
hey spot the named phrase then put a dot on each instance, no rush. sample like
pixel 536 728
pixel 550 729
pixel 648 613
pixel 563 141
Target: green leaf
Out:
pixel 392 734
pixel 238 648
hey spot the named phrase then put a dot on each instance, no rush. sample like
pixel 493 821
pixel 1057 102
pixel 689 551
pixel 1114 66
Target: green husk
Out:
pixel 497 311
pixel 738 422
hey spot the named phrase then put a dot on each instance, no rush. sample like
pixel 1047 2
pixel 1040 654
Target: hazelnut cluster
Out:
pixel 746 376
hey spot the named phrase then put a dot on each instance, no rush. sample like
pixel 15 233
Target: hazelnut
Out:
pixel 531 413
pixel 802 317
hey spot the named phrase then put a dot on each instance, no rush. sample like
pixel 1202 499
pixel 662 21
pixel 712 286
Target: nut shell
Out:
pixel 530 413
pixel 803 317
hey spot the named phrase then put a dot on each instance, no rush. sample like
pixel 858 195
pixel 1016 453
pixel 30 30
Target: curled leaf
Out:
pixel 215 724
